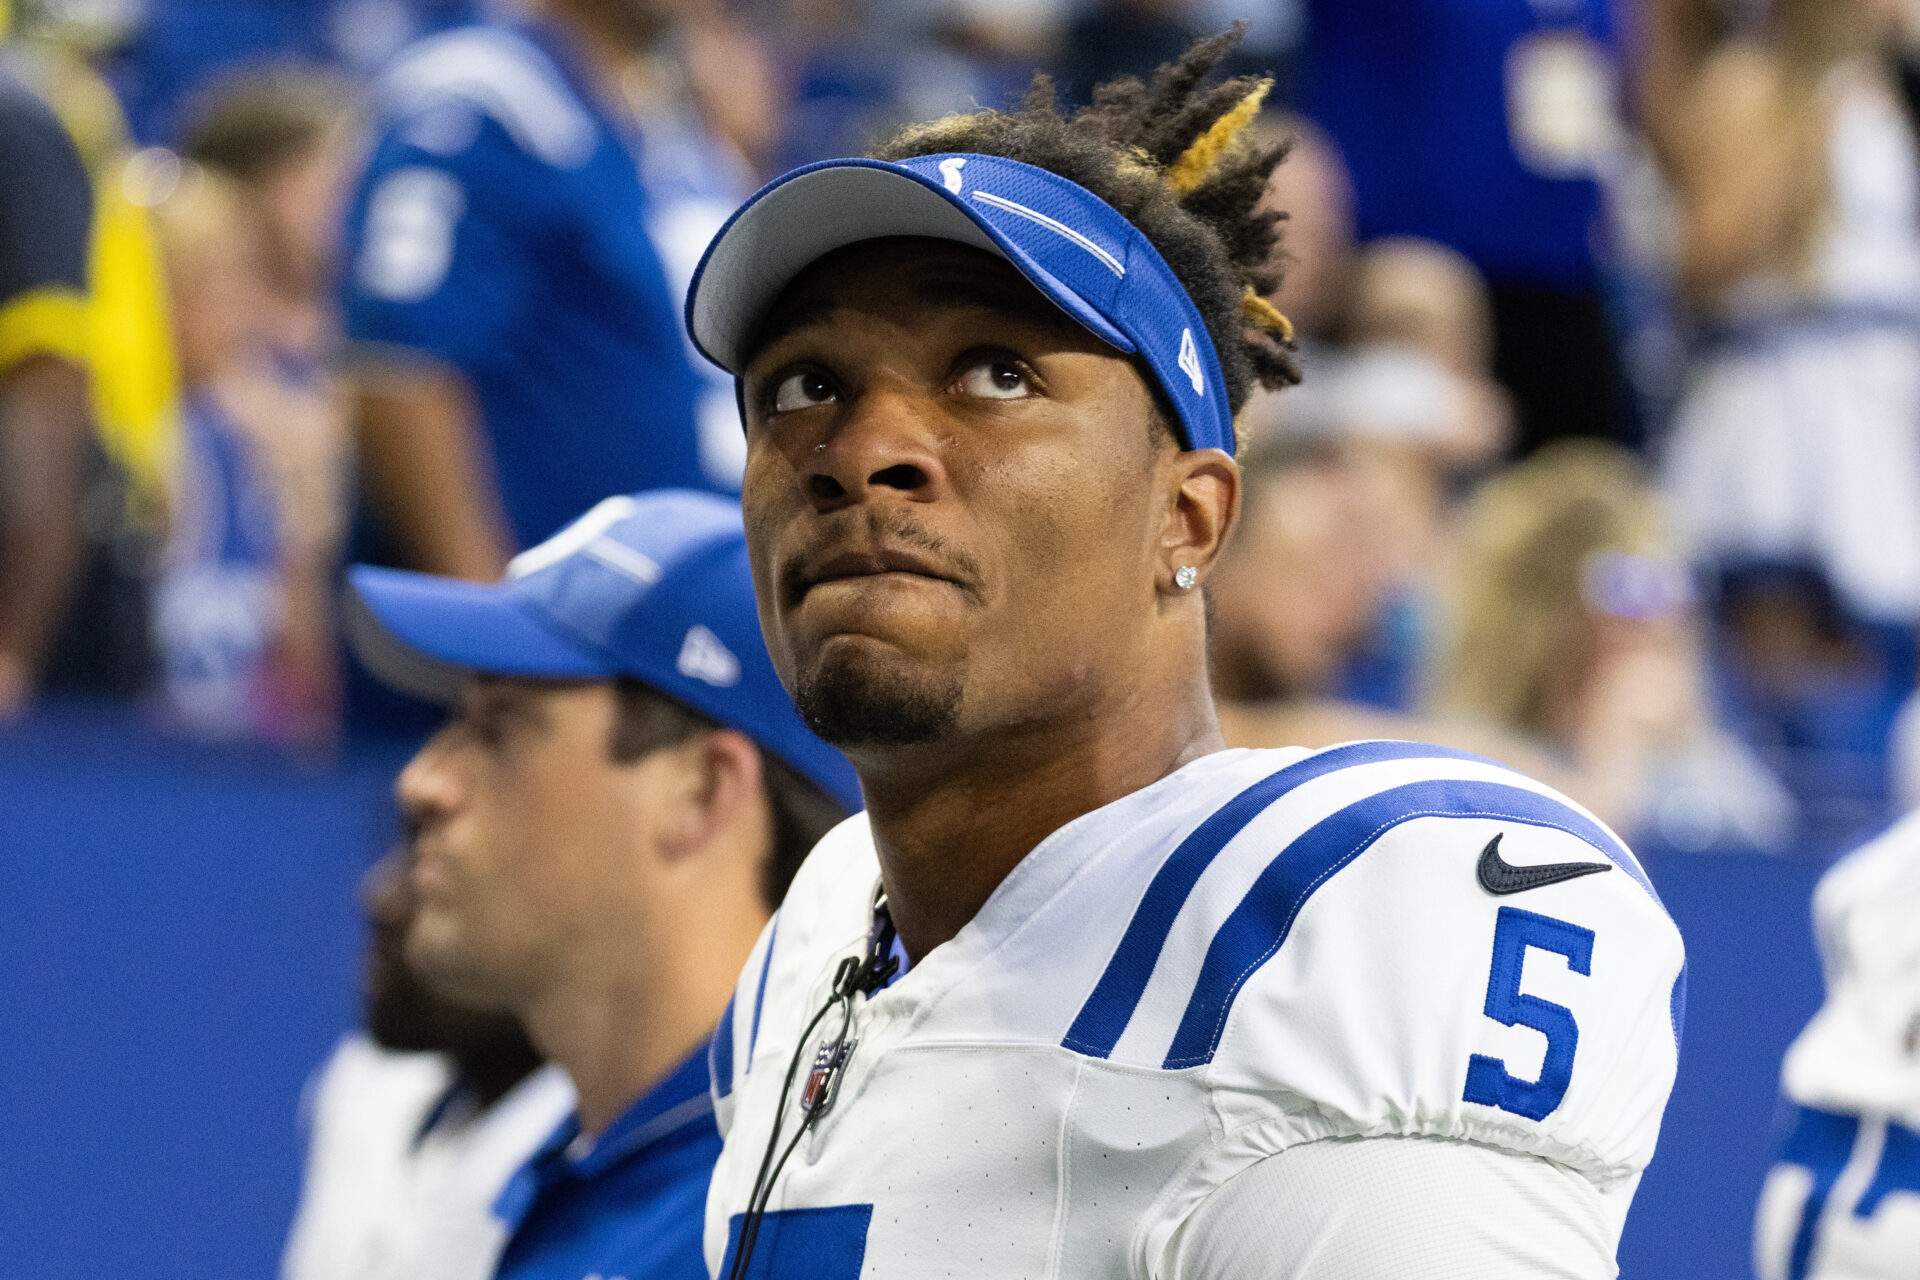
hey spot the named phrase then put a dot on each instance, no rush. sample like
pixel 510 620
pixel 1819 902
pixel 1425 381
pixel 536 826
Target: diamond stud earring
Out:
pixel 1185 577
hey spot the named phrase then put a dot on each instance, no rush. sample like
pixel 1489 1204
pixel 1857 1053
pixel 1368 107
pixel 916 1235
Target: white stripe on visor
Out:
pixel 1033 215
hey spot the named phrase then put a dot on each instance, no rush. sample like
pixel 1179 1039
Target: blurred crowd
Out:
pixel 1606 462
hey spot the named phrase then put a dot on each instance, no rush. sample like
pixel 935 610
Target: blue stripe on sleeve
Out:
pixel 1821 1143
pixel 1259 925
pixel 760 992
pixel 1104 1017
pixel 720 1054
pixel 1899 1169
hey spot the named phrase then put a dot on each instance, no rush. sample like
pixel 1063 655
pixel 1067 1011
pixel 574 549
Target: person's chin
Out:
pixel 862 691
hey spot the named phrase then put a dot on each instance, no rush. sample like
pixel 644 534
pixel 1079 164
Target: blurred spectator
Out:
pixel 132 380
pixel 1798 437
pixel 520 350
pixel 1314 190
pixel 164 52
pixel 285 135
pixel 242 614
pixel 1302 579
pixel 1483 126
pixel 416 1123
pixel 1410 400
pixel 856 70
pixel 1294 601
pixel 1574 627
pixel 46 429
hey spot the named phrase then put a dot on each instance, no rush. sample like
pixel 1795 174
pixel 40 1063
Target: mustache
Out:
pixel 871 530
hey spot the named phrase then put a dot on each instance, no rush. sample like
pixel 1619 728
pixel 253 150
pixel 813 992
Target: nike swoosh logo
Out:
pixel 1498 876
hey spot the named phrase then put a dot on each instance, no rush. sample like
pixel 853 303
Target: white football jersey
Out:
pixel 394 1191
pixel 1264 948
pixel 1843 1203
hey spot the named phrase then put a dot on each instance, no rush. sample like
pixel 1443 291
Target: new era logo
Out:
pixel 950 172
pixel 704 658
pixel 1190 362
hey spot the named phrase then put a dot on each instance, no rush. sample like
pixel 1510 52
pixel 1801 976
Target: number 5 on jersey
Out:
pixel 1488 1081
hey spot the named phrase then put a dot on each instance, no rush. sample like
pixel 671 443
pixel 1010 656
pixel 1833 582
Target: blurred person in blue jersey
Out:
pixel 1484 125
pixel 598 835
pixel 515 256
pixel 1843 1200
pixel 46 425
pixel 416 1121
pixel 161 53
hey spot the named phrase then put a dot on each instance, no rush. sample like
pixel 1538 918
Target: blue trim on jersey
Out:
pixel 1104 1017
pixel 720 1054
pixel 1899 1169
pixel 827 1243
pixel 760 992
pixel 1821 1143
pixel 1259 925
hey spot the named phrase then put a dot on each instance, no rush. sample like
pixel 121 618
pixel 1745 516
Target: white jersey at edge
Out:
pixel 1843 1203
pixel 1262 950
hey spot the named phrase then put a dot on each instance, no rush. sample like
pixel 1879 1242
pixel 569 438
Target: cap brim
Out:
pixel 421 634
pixel 810 213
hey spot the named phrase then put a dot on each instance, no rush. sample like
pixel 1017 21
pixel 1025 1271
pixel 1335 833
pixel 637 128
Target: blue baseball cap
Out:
pixel 1070 244
pixel 654 586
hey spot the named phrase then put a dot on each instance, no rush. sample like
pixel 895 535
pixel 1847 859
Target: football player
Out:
pixel 1084 994
pixel 1843 1202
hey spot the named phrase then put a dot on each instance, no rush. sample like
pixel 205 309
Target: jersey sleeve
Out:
pixel 1366 1208
pixel 46 208
pixel 1858 1052
pixel 441 244
pixel 1460 957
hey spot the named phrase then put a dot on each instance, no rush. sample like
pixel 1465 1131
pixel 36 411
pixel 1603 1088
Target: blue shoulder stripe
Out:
pixel 1259 925
pixel 720 1053
pixel 760 992
pixel 1104 1017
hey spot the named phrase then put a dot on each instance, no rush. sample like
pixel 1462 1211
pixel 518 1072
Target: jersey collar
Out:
pixel 678 1104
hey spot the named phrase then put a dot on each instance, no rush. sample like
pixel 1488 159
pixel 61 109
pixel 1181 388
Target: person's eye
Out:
pixel 803 390
pixel 994 379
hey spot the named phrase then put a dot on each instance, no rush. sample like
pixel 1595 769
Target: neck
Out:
pixel 632 1010
pixel 951 822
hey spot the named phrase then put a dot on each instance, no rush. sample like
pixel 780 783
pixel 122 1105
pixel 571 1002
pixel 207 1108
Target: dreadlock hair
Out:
pixel 1172 157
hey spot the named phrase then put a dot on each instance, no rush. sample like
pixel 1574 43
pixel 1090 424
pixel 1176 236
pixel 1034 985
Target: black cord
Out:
pixel 864 975
pixel 842 998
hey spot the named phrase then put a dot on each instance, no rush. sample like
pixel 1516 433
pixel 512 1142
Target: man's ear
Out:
pixel 717 780
pixel 1202 507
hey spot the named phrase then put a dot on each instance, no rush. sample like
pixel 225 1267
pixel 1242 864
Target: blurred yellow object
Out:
pixel 129 334
pixel 49 321
pixel 135 376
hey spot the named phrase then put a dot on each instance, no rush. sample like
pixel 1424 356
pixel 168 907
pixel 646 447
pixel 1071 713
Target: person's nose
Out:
pixel 428 789
pixel 884 446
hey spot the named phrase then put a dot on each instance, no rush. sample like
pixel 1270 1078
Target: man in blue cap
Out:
pixel 1084 993
pixel 596 836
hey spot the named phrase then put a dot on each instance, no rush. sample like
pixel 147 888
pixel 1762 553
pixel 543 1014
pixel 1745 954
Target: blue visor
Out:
pixel 1071 245
pixel 653 586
